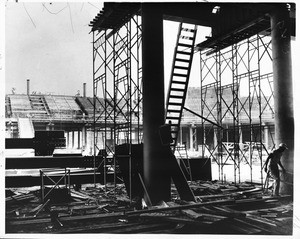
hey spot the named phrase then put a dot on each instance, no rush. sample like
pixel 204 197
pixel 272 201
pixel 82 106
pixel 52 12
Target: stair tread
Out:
pixel 176 89
pixel 185 45
pixel 174 103
pixel 179 82
pixel 175 111
pixel 176 96
pixel 182 67
pixel 188 29
pixel 179 74
pixel 171 117
pixel 187 37
pixel 182 60
pixel 184 53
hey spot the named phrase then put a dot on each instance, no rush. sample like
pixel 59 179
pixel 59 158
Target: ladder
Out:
pixel 181 68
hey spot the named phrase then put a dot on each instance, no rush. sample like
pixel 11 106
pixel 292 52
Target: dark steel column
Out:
pixel 283 90
pixel 73 139
pixel 156 177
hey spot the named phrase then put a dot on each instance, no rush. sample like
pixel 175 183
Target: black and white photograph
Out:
pixel 149 118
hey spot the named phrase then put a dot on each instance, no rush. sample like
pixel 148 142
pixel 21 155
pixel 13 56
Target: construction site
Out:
pixel 150 155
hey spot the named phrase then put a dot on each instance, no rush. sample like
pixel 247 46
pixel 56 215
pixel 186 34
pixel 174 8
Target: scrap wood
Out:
pixel 237 194
pixel 243 227
pixel 191 214
pixel 122 199
pixel 182 220
pixel 81 195
pixel 257 225
pixel 157 214
pixel 269 215
pixel 263 221
pixel 118 227
pixel 67 207
pixel 264 224
pixel 42 207
pixel 19 198
pixel 181 207
pixel 89 217
pixel 226 211
pixel 188 212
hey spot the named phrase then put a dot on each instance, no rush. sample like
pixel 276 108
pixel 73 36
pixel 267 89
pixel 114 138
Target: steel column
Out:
pixel 283 89
pixel 157 180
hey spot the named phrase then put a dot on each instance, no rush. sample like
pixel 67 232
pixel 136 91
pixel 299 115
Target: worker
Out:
pixel 272 167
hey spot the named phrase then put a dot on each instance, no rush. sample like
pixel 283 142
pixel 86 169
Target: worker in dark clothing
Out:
pixel 271 166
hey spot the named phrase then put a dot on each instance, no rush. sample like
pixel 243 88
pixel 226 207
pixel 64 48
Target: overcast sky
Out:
pixel 50 44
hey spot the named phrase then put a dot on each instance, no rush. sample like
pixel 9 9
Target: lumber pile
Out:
pixel 220 209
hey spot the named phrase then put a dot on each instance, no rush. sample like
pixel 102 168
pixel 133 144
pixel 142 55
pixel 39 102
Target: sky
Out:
pixel 50 44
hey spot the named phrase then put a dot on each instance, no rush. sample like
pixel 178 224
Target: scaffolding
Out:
pixel 237 94
pixel 118 80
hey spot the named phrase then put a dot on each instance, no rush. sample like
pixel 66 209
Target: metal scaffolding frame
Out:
pixel 117 79
pixel 237 94
pixel 234 87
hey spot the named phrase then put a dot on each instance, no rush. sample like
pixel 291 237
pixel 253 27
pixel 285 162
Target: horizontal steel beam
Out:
pixel 19 143
pixel 29 181
pixel 52 162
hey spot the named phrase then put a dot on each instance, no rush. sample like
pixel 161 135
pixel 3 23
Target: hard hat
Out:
pixel 283 145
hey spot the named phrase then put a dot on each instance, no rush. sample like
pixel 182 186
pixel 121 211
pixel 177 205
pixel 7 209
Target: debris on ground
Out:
pixel 220 208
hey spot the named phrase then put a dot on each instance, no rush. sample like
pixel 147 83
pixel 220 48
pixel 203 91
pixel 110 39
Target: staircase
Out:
pixel 181 68
pixel 39 105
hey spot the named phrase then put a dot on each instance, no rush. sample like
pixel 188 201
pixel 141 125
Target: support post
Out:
pixel 84 137
pixel 78 139
pixel 156 177
pixel 266 135
pixel 191 137
pixel 73 139
pixel 67 139
pixel 283 90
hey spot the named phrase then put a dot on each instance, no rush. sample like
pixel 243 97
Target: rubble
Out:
pixel 222 208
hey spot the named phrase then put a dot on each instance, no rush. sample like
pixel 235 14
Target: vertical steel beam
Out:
pixel 283 89
pixel 157 180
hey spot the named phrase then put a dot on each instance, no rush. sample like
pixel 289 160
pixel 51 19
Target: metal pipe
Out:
pixel 28 87
pixel 84 89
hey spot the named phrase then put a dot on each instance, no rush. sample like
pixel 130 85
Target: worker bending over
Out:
pixel 271 166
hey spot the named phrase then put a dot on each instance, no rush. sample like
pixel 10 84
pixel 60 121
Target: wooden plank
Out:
pixel 243 227
pixel 96 216
pixel 225 211
pixel 181 207
pixel 191 214
pixel 187 212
